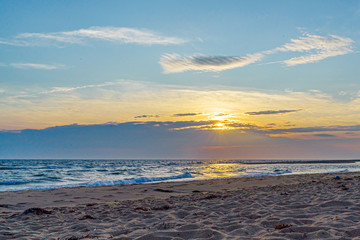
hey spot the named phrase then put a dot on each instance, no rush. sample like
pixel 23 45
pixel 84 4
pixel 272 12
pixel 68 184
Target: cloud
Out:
pixel 185 114
pixel 173 63
pixel 317 48
pixel 147 116
pixel 156 139
pixel 71 89
pixel 128 140
pixel 354 128
pixel 324 135
pixel 320 132
pixel 36 66
pixel 227 147
pixel 81 36
pixel 322 47
pixel 271 112
pixel 121 100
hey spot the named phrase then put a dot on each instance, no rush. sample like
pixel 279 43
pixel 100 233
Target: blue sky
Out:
pixel 247 68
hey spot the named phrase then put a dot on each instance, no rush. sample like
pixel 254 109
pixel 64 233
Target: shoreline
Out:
pixel 261 202
pixel 49 174
pixel 138 191
pixel 124 191
pixel 43 181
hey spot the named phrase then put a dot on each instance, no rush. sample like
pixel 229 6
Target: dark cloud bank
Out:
pixel 185 114
pixel 159 140
pixel 272 112
pixel 123 140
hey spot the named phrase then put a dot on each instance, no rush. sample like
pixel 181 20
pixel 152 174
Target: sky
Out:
pixel 180 79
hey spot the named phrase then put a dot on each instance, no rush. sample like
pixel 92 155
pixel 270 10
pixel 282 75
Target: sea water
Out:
pixel 16 175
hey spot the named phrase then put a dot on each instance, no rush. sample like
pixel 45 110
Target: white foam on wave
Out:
pixel 109 183
pixel 16 175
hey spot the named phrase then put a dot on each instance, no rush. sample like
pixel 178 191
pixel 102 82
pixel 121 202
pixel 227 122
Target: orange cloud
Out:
pixel 225 147
pixel 319 135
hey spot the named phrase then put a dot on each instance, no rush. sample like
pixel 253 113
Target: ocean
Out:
pixel 27 174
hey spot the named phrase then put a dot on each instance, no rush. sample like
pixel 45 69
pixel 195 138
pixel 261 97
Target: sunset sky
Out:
pixel 180 79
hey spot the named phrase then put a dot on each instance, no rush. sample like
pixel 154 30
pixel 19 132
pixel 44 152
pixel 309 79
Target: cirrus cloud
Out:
pixel 81 36
pixel 272 112
pixel 315 47
pixel 40 66
pixel 319 47
pixel 147 116
pixel 173 63
pixel 37 66
pixel 185 114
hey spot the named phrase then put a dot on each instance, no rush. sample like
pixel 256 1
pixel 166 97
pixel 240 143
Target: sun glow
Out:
pixel 219 126
pixel 221 121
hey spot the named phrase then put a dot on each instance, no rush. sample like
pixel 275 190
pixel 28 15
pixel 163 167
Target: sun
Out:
pixel 221 121
pixel 219 126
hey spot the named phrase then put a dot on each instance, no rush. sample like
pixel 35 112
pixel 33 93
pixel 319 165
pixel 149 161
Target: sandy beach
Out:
pixel 317 206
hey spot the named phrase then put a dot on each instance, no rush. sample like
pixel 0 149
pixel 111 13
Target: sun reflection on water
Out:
pixel 222 170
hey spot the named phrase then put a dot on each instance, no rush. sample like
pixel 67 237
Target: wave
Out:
pixel 274 173
pixel 115 182
pixel 14 168
pixel 139 180
pixel 13 182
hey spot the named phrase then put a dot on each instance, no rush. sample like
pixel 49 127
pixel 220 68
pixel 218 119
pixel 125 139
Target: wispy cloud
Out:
pixel 185 114
pixel 173 63
pixel 271 112
pixel 36 66
pixel 147 116
pixel 324 135
pixel 318 47
pixel 70 89
pixel 81 36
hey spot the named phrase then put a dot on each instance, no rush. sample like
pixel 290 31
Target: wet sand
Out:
pixel 317 206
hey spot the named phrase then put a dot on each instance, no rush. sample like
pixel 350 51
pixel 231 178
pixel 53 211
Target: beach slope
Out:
pixel 317 206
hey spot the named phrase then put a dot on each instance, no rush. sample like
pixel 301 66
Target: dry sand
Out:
pixel 317 206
